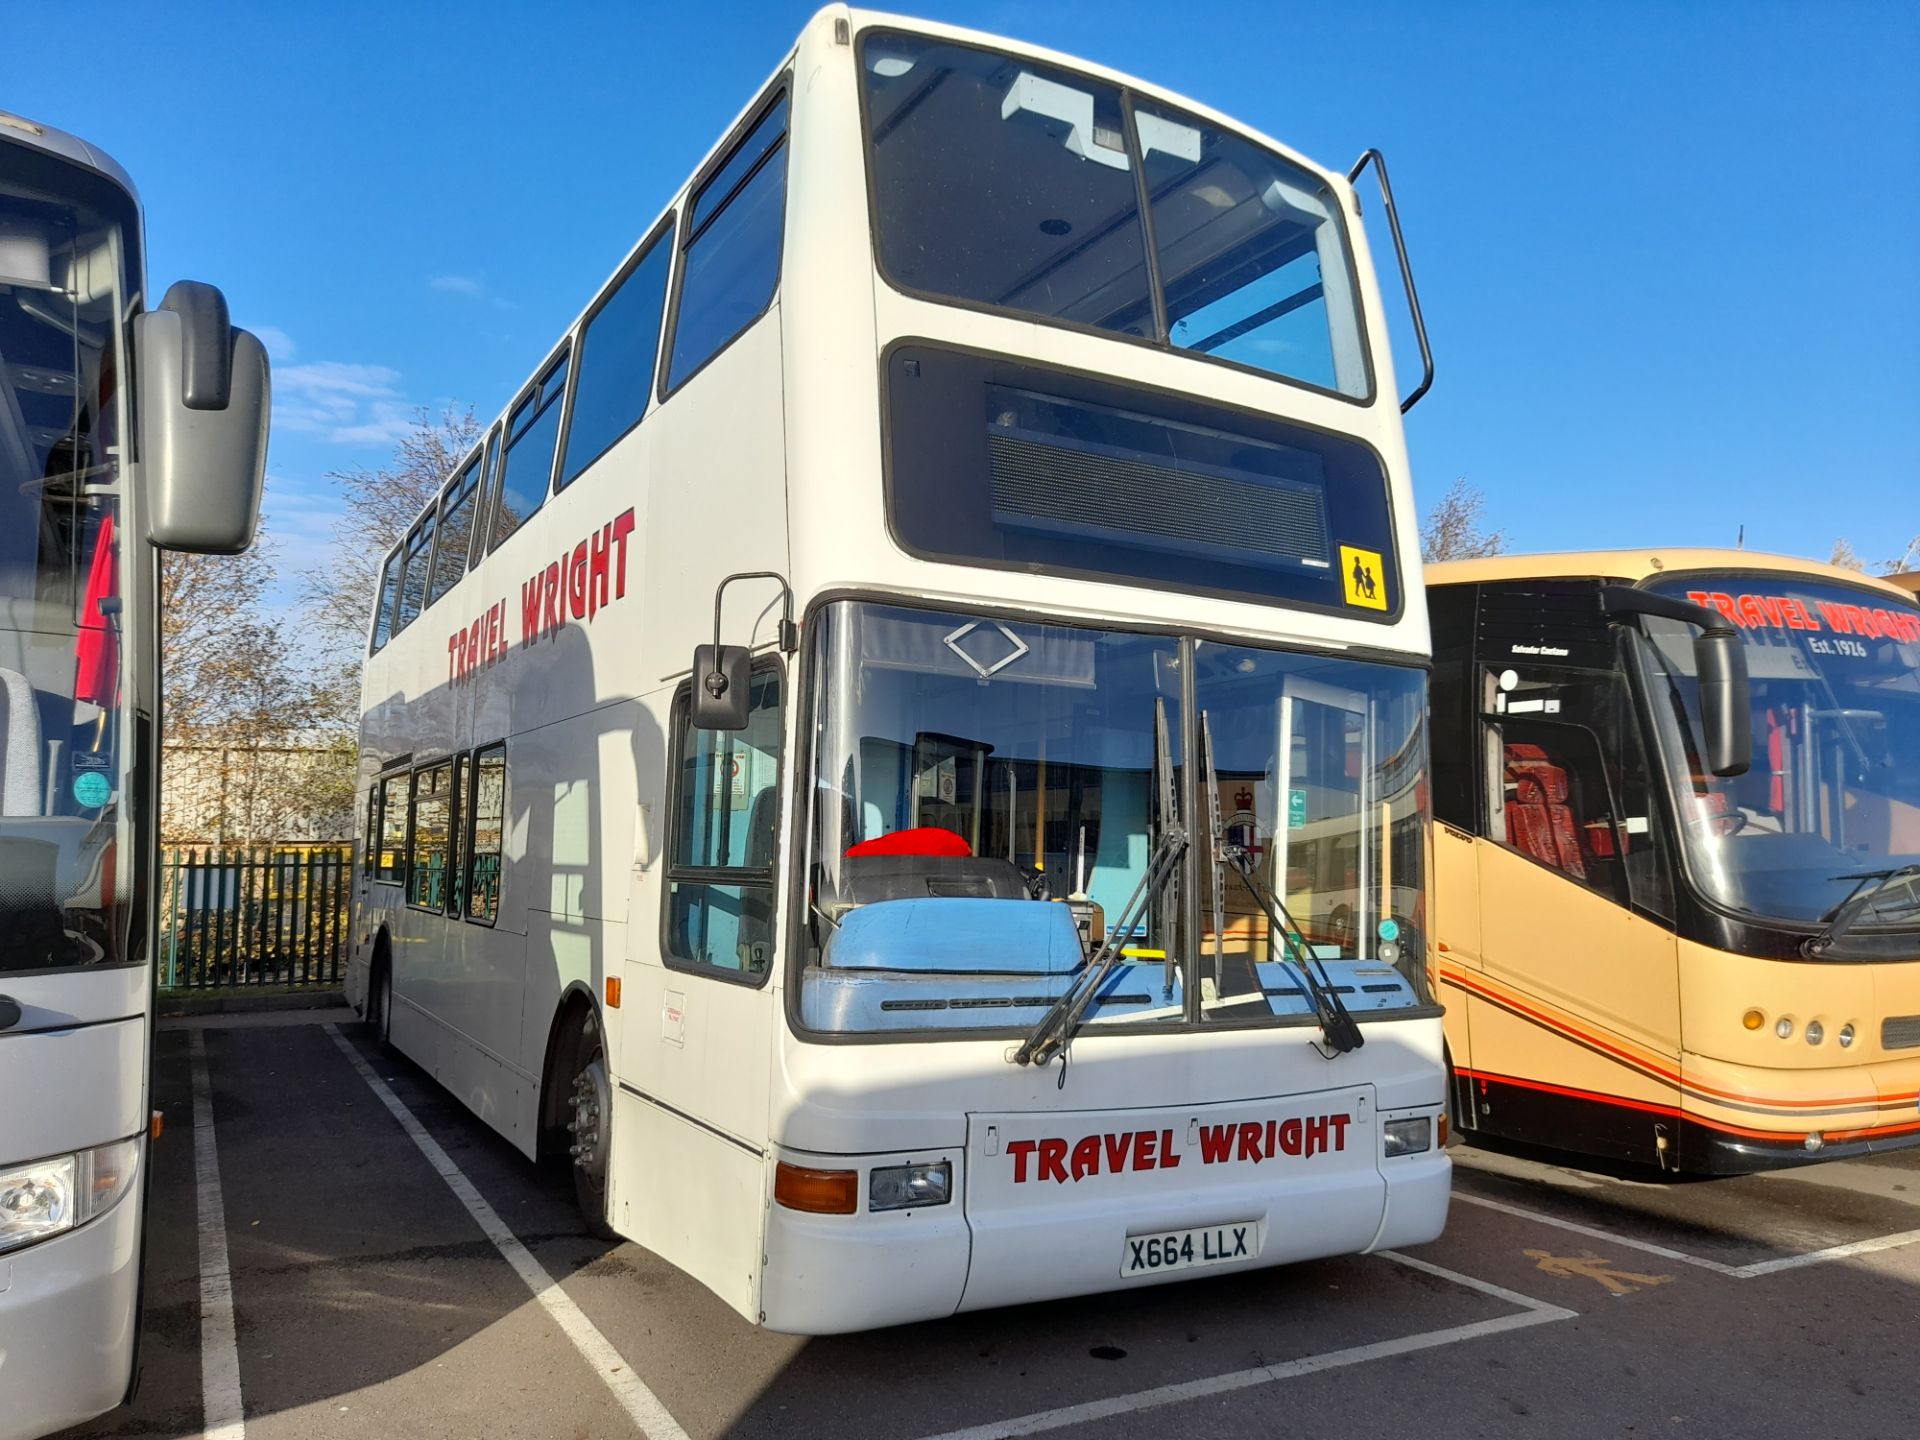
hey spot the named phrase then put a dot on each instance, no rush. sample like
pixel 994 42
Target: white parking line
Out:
pixel 1532 1312
pixel 1833 1252
pixel 1594 1232
pixel 640 1403
pixel 1718 1267
pixel 220 1407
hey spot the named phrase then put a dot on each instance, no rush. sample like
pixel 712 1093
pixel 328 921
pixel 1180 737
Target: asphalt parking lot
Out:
pixel 386 1266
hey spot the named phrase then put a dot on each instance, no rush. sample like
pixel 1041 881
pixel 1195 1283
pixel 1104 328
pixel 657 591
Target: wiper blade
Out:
pixel 1858 903
pixel 1064 1017
pixel 1337 1025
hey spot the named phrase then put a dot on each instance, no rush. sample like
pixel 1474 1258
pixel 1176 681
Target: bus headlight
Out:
pixel 1815 1032
pixel 1409 1136
pixel 1783 1027
pixel 1845 1037
pixel 47 1197
pixel 903 1187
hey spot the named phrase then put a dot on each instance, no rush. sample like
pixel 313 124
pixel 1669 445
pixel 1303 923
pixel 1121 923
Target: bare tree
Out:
pixel 377 506
pixel 1843 556
pixel 1453 529
pixel 247 753
pixel 1909 560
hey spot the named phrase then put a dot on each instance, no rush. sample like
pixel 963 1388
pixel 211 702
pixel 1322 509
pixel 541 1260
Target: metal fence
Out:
pixel 253 915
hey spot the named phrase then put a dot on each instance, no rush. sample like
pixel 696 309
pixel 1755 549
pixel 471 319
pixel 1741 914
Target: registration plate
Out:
pixel 1164 1250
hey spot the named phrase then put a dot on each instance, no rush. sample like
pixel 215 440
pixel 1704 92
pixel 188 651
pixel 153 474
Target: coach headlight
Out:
pixel 1409 1136
pixel 905 1187
pixel 47 1197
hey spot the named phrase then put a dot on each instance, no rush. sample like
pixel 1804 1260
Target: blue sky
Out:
pixel 1667 251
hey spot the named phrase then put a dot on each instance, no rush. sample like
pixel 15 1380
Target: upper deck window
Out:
pixel 616 359
pixel 533 430
pixel 1006 184
pixel 733 240
pixel 456 527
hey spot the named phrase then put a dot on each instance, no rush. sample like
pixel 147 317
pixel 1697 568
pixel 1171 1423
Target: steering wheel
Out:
pixel 1039 886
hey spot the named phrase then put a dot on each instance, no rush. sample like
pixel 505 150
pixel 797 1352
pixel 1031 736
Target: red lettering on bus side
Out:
pixel 600 550
pixel 1724 604
pixel 1271 1127
pixel 1316 1134
pixel 552 615
pixel 1052 1155
pixel 1250 1142
pixel 1143 1148
pixel 1018 1151
pixel 496 642
pixel 1290 1137
pixel 622 527
pixel 1798 618
pixel 1086 1157
pixel 453 654
pixel 1169 1157
pixel 1339 1124
pixel 530 609
pixel 1216 1143
pixel 1751 614
pixel 577 581
pixel 1117 1147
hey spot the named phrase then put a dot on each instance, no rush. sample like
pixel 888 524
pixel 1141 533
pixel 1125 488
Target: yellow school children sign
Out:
pixel 1364 575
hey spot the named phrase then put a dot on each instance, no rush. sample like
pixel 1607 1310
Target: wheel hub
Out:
pixel 590 1103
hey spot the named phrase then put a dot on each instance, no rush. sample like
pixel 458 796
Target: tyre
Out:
pixel 380 1000
pixel 590 1103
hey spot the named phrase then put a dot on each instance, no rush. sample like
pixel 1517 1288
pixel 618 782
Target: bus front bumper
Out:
pixel 67 1324
pixel 1739 1118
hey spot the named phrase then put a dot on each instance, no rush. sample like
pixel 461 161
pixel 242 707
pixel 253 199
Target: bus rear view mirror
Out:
pixel 1726 716
pixel 722 690
pixel 1720 663
pixel 204 394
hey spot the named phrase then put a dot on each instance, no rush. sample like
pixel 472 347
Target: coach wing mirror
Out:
pixel 204 394
pixel 1720 663
pixel 723 674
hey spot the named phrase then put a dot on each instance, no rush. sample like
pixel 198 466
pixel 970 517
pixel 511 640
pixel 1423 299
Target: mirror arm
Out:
pixel 1624 600
pixel 714 682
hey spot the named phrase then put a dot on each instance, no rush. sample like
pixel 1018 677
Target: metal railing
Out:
pixel 254 915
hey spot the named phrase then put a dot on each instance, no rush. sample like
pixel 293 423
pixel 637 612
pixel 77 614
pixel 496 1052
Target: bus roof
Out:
pixel 22 131
pixel 1908 580
pixel 1634 566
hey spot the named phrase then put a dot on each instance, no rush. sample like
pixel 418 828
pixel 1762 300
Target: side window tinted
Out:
pixel 719 911
pixel 617 349
pixel 370 837
pixel 486 830
pixel 383 614
pixel 456 526
pixel 732 248
pixel 413 574
pixel 430 826
pixel 392 851
pixel 1569 786
pixel 526 471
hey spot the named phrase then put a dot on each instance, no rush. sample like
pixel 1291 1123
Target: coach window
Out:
pixel 430 826
pixel 483 499
pixel 719 911
pixel 456 523
pixel 392 855
pixel 533 430
pixel 486 828
pixel 732 246
pixel 371 836
pixel 617 349
pixel 413 573
pixel 383 613
pixel 456 887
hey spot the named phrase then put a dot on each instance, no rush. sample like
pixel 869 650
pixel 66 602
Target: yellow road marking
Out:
pixel 1588 1266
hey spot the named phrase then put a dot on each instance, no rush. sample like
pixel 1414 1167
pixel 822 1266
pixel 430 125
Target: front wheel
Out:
pixel 591 1101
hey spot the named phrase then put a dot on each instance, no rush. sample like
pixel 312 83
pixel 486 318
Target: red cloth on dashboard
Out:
pixel 921 840
pixel 96 649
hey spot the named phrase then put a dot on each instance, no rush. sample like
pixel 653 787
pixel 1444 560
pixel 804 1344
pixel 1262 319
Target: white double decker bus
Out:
pixel 1022 893
pixel 124 426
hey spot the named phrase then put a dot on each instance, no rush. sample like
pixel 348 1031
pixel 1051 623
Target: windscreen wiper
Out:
pixel 1341 1030
pixel 1055 1032
pixel 1859 902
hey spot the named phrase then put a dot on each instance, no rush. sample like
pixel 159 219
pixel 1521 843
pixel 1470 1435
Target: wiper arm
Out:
pixel 1064 1017
pixel 1341 1030
pixel 1859 902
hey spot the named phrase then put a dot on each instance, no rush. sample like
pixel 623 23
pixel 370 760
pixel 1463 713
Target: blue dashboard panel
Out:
pixel 947 935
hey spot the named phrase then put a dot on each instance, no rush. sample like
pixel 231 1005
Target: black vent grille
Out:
pixel 1900 1032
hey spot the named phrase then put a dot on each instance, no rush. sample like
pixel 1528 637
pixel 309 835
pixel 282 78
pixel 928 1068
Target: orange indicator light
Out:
pixel 613 992
pixel 817 1192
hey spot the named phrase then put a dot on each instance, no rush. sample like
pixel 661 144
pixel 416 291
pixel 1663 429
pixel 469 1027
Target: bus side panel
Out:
pixel 1576 997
